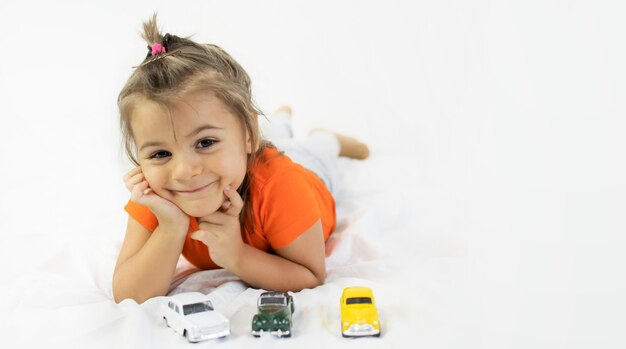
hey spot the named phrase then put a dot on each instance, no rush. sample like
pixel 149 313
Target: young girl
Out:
pixel 208 187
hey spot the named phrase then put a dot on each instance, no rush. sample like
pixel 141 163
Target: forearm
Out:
pixel 272 272
pixel 149 272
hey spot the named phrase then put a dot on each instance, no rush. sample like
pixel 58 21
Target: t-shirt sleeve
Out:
pixel 289 207
pixel 142 214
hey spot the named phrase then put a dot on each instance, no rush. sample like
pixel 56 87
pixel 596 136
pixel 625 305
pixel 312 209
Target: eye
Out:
pixel 205 143
pixel 161 154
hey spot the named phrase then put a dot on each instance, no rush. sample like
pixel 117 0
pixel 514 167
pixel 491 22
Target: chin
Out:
pixel 199 209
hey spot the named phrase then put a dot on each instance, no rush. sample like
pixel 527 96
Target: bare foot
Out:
pixel 350 147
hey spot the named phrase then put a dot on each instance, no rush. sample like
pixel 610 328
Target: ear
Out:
pixel 250 148
pixel 249 143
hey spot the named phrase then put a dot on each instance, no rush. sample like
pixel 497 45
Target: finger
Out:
pixel 225 205
pixel 132 172
pixel 132 181
pixel 203 236
pixel 216 218
pixel 236 203
pixel 139 190
pixel 133 177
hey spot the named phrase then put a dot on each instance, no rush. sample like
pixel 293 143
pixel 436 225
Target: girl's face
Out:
pixel 190 157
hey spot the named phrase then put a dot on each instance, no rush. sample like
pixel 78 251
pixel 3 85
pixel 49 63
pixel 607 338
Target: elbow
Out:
pixel 120 288
pixel 317 279
pixel 117 293
pixel 313 280
pixel 120 295
pixel 321 277
pixel 117 298
pixel 122 291
pixel 138 300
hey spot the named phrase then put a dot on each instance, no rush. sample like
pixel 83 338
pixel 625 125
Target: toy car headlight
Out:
pixel 193 333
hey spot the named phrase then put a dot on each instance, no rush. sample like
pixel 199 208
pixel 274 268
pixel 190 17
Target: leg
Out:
pixel 350 147
pixel 318 153
pixel 277 126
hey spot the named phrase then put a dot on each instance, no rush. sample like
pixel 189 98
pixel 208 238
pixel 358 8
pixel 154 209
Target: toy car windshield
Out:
pixel 272 301
pixel 197 308
pixel 359 300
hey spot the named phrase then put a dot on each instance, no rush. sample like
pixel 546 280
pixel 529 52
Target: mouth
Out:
pixel 194 190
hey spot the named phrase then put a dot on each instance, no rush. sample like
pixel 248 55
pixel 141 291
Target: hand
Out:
pixel 221 231
pixel 166 211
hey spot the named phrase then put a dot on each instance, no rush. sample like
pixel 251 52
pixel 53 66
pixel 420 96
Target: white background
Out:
pixel 496 126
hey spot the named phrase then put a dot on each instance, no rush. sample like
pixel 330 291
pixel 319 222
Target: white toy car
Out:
pixel 192 315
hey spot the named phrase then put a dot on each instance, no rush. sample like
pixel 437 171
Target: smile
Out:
pixel 193 191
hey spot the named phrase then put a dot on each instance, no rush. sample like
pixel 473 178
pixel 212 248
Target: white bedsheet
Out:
pixel 490 214
pixel 435 287
pixel 67 302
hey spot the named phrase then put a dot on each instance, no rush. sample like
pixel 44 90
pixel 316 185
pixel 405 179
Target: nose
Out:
pixel 186 166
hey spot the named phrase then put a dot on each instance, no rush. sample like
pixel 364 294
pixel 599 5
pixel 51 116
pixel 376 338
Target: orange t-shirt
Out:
pixel 287 199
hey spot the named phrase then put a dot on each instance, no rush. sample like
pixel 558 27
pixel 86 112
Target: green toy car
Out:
pixel 275 310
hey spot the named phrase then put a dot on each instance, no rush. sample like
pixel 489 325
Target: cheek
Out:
pixel 233 169
pixel 154 176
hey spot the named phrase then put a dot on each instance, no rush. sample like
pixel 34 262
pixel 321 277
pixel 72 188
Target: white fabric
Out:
pixel 67 302
pixel 490 215
pixel 318 152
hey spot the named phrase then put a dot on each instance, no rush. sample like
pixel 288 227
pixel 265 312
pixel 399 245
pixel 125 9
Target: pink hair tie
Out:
pixel 157 48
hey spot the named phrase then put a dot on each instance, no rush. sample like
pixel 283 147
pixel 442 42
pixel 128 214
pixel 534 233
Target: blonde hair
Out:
pixel 187 67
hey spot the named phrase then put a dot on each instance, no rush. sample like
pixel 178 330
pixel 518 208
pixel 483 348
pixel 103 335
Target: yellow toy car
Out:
pixel 359 316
